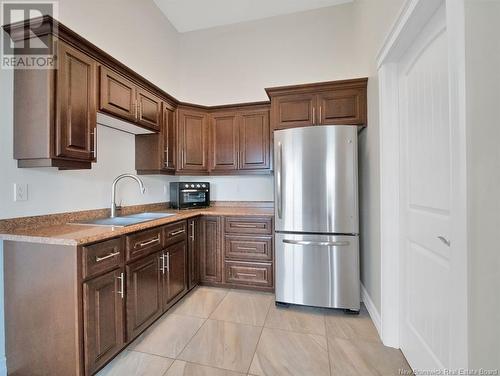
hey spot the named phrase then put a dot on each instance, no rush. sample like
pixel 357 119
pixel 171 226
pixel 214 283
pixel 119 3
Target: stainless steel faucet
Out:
pixel 113 190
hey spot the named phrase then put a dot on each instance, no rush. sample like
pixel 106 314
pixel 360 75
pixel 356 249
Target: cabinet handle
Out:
pixel 247 249
pixel 320 118
pixel 135 109
pixel 168 262
pixel 122 285
pixel 245 226
pixel 176 232
pixel 140 109
pixel 247 275
pixel 162 263
pixel 192 231
pixel 314 116
pixel 152 241
pixel 94 145
pixel 99 259
pixel 166 157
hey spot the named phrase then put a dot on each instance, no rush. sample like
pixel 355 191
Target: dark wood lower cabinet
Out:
pixel 211 250
pixel 193 252
pixel 144 300
pixel 103 328
pixel 175 275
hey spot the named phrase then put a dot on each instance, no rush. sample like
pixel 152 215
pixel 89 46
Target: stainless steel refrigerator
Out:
pixel 316 216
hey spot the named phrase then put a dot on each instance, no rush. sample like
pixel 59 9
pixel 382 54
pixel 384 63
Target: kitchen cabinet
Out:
pixel 103 321
pixel 327 103
pixel 224 148
pixel 55 112
pixel 175 272
pixel 193 252
pixel 156 153
pixel 239 141
pixel 144 293
pixel 211 250
pixel 192 153
pixel 254 140
pixel 121 97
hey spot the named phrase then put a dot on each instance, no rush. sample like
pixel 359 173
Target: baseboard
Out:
pixel 372 310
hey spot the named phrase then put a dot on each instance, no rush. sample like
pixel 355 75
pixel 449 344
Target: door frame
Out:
pixel 413 17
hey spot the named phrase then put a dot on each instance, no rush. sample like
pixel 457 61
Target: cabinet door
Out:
pixel 254 141
pixel 193 252
pixel 224 142
pixel 342 107
pixel 144 285
pixel 176 281
pixel 169 138
pixel 76 105
pixel 117 95
pixel 294 110
pixel 193 141
pixel 149 112
pixel 211 250
pixel 103 323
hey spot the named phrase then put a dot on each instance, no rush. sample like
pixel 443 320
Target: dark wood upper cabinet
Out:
pixel 149 113
pixel 176 281
pixel 144 289
pixel 211 250
pixel 193 252
pixel 325 103
pixel 224 142
pixel 342 107
pixel 294 110
pixel 76 105
pixel 156 153
pixel 192 141
pixel 117 95
pixel 103 321
pixel 254 148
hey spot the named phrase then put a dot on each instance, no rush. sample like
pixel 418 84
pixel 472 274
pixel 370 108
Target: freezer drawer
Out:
pixel 317 270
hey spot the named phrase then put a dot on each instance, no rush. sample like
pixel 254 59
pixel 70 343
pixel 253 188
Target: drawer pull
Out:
pixel 152 241
pixel 99 259
pixel 176 232
pixel 122 286
pixel 248 249
pixel 245 226
pixel 247 275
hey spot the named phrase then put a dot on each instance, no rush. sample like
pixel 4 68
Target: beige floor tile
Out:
pixel 297 319
pixel 223 344
pixel 201 302
pixel 169 336
pixel 244 308
pixel 182 368
pixel 344 326
pixel 355 357
pixel 282 352
pixel 132 363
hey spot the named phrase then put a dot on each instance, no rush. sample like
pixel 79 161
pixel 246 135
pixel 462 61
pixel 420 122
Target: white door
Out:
pixel 426 217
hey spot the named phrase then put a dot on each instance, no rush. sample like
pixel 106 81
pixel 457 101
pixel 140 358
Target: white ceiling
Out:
pixel 189 15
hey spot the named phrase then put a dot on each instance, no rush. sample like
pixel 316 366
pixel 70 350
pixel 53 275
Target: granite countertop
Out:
pixel 75 234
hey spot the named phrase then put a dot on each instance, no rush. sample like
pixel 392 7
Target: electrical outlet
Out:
pixel 20 192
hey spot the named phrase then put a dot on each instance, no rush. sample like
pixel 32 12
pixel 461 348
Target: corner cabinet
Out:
pixel 55 112
pixel 326 103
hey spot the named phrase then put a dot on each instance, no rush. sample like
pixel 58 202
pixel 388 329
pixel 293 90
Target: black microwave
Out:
pixel 184 195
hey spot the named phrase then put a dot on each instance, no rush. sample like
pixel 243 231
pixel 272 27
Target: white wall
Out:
pixel 482 25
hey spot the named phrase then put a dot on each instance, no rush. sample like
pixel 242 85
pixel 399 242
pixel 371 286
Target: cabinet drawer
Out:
pixel 248 247
pixel 143 243
pixel 248 225
pixel 100 257
pixel 175 232
pixel 249 274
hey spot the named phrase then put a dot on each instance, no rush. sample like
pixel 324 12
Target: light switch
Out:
pixel 20 192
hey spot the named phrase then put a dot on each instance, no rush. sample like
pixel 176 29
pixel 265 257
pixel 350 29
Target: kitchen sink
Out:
pixel 126 220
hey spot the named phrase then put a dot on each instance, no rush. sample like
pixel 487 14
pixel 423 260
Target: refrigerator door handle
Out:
pixel 278 179
pixel 323 244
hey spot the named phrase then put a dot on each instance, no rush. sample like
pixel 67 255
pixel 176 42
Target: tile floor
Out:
pixel 219 332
